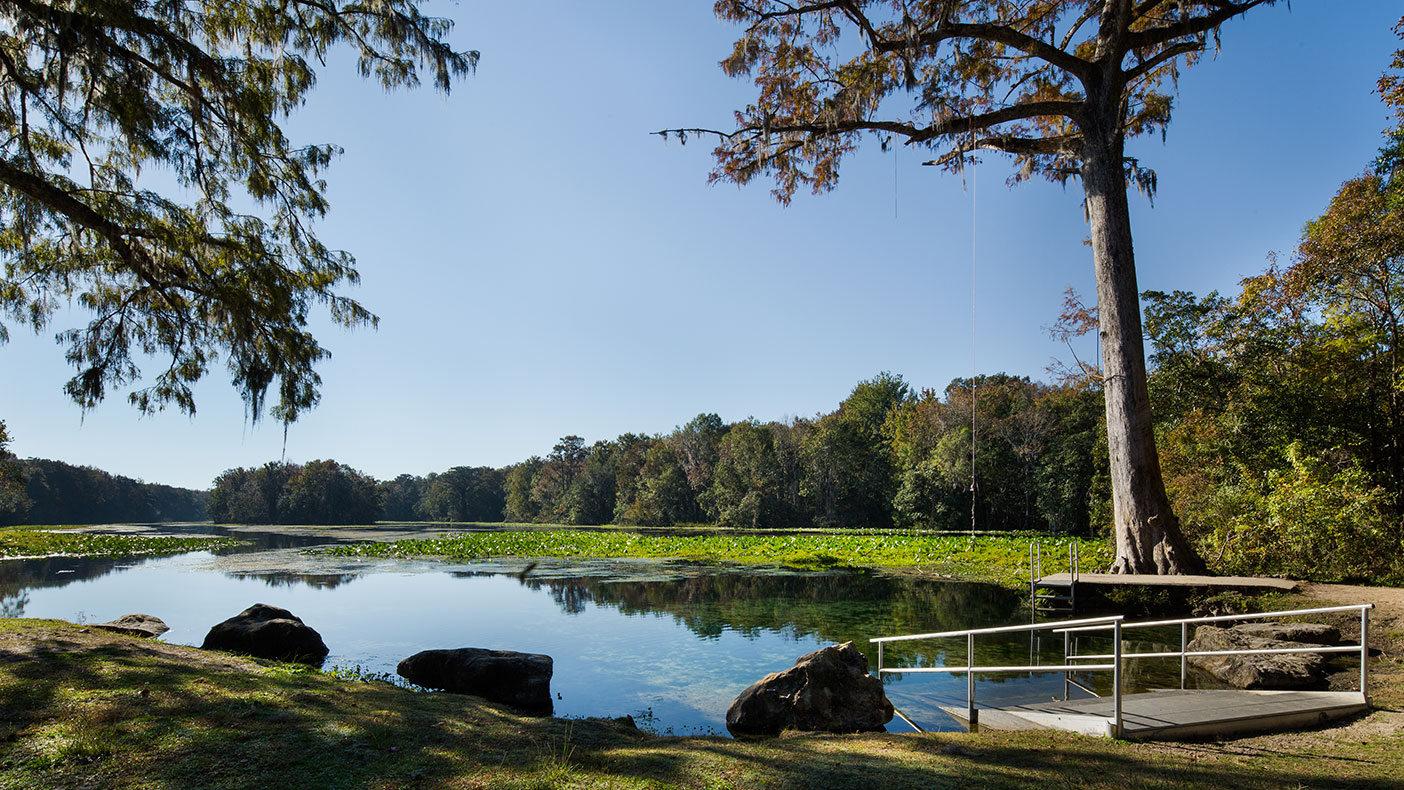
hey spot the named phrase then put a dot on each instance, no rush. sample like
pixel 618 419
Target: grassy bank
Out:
pixel 37 541
pixel 91 709
pixel 1001 558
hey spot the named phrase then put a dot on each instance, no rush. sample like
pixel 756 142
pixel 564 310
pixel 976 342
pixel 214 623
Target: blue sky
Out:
pixel 543 266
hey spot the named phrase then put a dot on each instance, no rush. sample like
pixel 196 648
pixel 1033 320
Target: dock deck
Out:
pixel 1176 714
pixel 1153 580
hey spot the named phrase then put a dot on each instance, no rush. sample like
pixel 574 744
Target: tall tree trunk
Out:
pixel 1148 537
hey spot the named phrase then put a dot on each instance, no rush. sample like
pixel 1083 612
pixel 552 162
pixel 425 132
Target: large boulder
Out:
pixel 521 680
pixel 143 625
pixel 1264 671
pixel 828 690
pixel 1307 633
pixel 268 632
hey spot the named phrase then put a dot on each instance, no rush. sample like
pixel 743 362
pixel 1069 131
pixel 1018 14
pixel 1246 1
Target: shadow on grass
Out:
pixel 127 712
pixel 90 710
pixel 1026 760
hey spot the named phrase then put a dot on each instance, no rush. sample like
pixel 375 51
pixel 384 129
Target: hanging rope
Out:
pixel 974 231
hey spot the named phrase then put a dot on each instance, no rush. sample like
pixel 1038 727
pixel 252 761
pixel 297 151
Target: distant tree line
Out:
pixel 319 492
pixel 36 491
pixel 887 456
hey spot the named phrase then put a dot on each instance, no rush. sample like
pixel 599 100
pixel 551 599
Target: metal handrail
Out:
pixel 1114 622
pixel 1003 629
pixel 1185 653
pixel 970 670
pixel 1221 617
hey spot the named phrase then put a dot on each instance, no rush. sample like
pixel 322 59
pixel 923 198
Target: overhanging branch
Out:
pixel 963 124
pixel 1194 26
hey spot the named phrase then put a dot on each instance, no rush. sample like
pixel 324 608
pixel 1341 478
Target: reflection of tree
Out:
pixel 16 576
pixel 324 581
pixel 837 607
pixel 13 605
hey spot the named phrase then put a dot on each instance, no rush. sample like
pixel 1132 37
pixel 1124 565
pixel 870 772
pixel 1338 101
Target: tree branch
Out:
pixel 1019 146
pixel 998 34
pixel 915 134
pixel 1165 55
pixel 1155 36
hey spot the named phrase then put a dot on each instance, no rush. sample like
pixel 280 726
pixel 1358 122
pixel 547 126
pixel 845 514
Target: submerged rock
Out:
pixel 143 625
pixel 268 632
pixel 1264 671
pixel 521 680
pixel 828 690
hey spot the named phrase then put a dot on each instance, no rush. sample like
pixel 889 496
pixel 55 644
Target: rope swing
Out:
pixel 974 229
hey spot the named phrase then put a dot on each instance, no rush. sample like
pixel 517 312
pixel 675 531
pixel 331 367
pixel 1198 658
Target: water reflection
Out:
pixel 12 605
pixel 17 576
pixel 831 607
pixel 321 581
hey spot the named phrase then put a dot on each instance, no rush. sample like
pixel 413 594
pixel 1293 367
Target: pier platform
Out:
pixel 1153 580
pixel 1175 714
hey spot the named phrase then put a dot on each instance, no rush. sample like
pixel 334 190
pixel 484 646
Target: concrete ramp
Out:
pixel 1176 714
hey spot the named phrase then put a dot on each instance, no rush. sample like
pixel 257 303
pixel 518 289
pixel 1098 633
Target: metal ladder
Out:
pixel 1061 598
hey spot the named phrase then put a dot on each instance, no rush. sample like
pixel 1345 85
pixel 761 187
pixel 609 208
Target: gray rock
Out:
pixel 828 690
pixel 143 625
pixel 1310 633
pixel 1270 671
pixel 521 680
pixel 268 632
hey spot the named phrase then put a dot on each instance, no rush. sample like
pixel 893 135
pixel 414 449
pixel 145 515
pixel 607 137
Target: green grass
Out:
pixel 1000 558
pixel 102 710
pixel 33 541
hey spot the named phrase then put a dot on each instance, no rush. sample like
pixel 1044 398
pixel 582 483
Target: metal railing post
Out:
pixel 1116 679
pixel 972 715
pixel 1067 675
pixel 879 666
pixel 1184 660
pixel 1365 654
pixel 1034 590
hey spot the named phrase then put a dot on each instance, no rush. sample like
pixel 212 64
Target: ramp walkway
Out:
pixel 1173 714
pixel 1161 714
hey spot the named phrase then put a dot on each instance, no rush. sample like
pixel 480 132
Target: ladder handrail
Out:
pixel 1036 577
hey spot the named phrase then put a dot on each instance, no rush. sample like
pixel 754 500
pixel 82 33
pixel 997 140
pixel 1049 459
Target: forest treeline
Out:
pixel 53 492
pixel 886 456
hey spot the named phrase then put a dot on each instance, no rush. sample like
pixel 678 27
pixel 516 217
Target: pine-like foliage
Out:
pixel 93 93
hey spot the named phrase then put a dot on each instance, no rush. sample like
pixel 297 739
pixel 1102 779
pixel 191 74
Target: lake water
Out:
pixel 671 644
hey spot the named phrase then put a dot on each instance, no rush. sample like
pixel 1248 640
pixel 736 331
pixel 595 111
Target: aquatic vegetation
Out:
pixel 32 542
pixel 1000 558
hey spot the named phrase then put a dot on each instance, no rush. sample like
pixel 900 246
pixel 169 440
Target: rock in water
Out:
pixel 1310 633
pixel 268 632
pixel 828 690
pixel 521 680
pixel 143 625
pixel 1263 671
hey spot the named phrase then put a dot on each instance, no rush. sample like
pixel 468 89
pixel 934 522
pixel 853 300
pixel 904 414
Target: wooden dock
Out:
pixel 1153 580
pixel 1175 714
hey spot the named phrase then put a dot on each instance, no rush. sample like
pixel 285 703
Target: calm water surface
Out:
pixel 671 644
